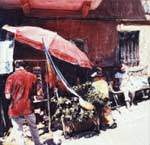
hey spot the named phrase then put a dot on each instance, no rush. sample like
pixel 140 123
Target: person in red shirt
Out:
pixel 18 88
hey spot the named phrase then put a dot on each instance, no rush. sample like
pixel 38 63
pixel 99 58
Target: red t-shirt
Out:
pixel 19 85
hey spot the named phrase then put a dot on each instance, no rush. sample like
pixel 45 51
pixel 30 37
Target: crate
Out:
pixel 72 128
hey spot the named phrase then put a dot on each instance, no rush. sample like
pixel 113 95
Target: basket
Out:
pixel 73 127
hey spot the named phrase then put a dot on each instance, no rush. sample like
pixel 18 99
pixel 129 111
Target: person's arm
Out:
pixel 33 89
pixel 33 78
pixel 8 87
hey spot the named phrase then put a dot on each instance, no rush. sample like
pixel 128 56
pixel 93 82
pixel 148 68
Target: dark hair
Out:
pixel 20 63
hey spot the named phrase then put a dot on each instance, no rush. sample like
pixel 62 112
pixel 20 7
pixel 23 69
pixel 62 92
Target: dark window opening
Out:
pixel 81 73
pixel 81 44
pixel 129 48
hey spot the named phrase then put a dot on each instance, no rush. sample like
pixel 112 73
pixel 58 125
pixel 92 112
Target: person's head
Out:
pixel 20 65
pixel 123 67
pixel 97 75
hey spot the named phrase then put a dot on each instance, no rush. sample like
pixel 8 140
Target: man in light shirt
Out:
pixel 101 87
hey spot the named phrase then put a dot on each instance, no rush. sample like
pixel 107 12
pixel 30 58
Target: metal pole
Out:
pixel 48 101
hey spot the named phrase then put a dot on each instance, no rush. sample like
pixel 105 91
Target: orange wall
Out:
pixel 102 37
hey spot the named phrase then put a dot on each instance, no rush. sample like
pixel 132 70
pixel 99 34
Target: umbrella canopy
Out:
pixel 50 4
pixel 57 46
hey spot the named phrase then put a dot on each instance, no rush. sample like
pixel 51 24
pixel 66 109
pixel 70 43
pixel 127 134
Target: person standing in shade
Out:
pixel 18 89
pixel 124 84
pixel 101 87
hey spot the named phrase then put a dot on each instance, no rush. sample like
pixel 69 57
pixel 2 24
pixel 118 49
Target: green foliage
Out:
pixel 70 109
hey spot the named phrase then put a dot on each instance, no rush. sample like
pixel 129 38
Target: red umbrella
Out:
pixel 57 46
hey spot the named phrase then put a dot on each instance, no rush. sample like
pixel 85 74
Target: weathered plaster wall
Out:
pixel 144 42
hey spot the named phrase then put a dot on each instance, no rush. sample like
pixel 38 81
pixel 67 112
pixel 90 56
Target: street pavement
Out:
pixel 133 129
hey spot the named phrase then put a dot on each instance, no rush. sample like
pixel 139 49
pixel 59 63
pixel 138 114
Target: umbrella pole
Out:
pixel 48 102
pixel 85 104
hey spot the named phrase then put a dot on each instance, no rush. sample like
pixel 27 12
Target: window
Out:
pixel 81 44
pixel 82 73
pixel 6 53
pixel 129 48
